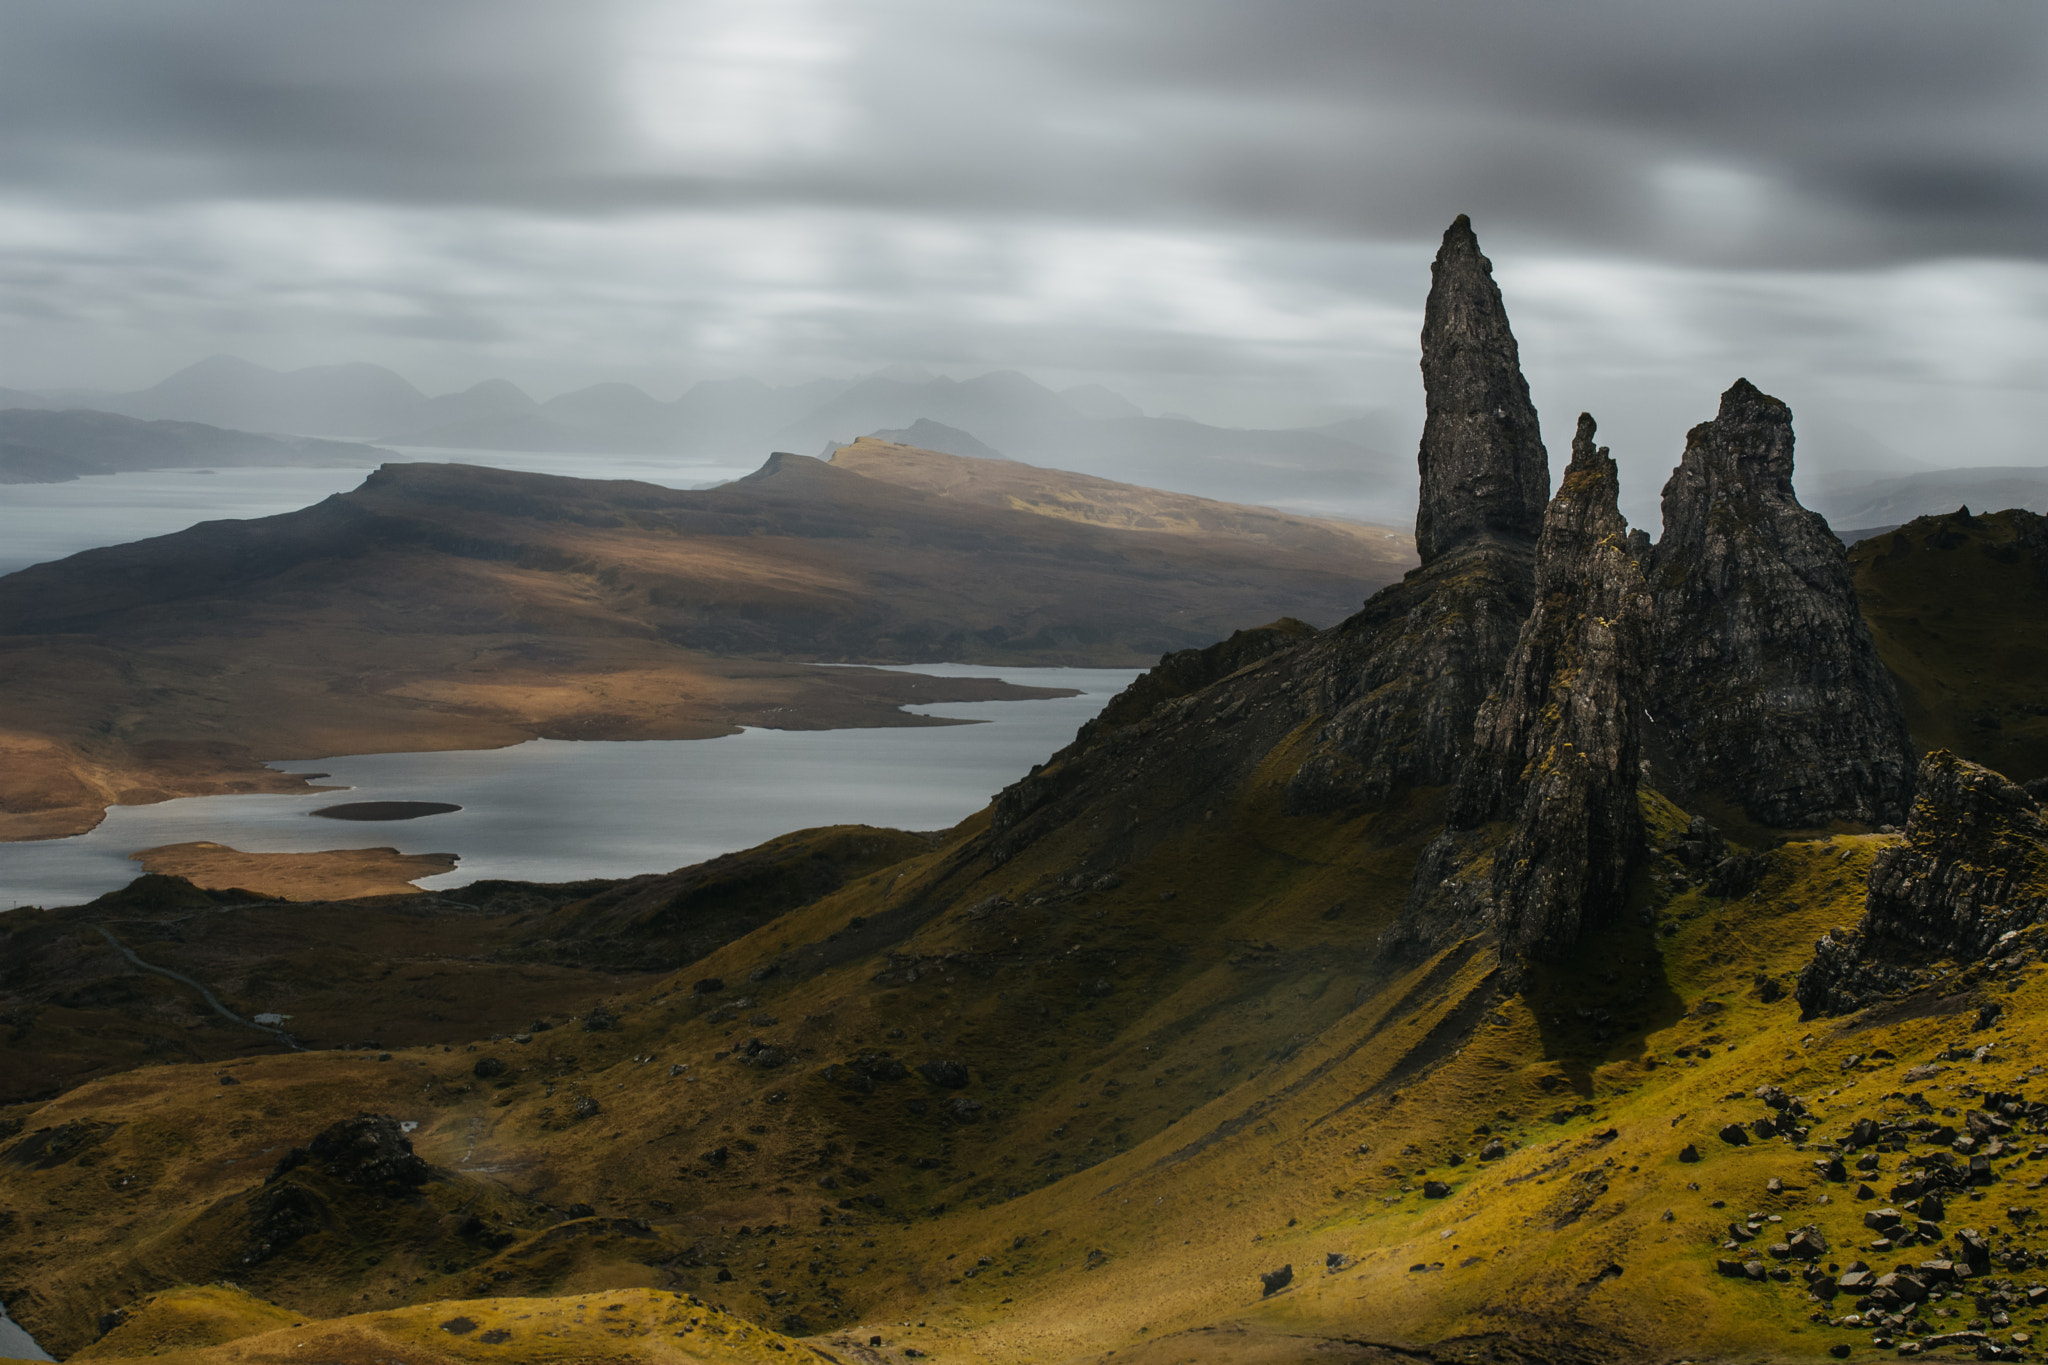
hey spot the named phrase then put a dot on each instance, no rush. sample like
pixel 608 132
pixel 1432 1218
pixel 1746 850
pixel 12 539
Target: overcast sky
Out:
pixel 1225 209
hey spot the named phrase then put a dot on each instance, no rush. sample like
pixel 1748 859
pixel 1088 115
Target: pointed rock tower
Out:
pixel 1767 691
pixel 1431 647
pixel 1484 470
pixel 1557 748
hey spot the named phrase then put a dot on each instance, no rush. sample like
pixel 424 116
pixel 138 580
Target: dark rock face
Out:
pixel 1418 662
pixel 1766 688
pixel 1484 471
pixel 1557 746
pixel 1190 670
pixel 1974 865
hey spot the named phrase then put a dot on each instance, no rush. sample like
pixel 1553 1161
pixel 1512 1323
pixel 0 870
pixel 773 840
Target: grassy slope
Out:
pixel 1226 1107
pixel 1957 609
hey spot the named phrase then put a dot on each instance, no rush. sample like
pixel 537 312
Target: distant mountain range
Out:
pixel 43 446
pixel 1886 504
pixel 1087 428
pixel 1340 468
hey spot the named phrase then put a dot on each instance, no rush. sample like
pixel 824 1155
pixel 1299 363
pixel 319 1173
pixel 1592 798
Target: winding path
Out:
pixel 222 1010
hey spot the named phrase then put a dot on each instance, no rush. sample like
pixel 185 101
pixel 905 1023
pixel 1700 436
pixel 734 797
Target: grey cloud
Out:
pixel 1876 131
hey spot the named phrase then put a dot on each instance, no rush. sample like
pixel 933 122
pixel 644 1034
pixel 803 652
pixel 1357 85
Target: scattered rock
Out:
pixel 1276 1280
pixel 1734 1135
pixel 952 1075
pixel 1808 1243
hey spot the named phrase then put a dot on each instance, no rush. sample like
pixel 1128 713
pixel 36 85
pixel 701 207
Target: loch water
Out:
pixel 559 810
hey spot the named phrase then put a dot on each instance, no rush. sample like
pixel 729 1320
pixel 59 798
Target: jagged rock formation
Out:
pixel 1557 746
pixel 1432 646
pixel 1973 867
pixel 1484 471
pixel 1766 689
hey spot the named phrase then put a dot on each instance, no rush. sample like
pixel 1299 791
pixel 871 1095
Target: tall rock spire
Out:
pixel 1430 647
pixel 1556 750
pixel 1484 470
pixel 1766 688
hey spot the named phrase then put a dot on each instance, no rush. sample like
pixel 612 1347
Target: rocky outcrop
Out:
pixel 1484 470
pixel 1766 690
pixel 1413 668
pixel 1556 750
pixel 1431 647
pixel 1972 869
pixel 1191 670
pixel 368 1149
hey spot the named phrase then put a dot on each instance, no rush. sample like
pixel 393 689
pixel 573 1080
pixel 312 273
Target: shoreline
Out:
pixel 502 710
pixel 561 810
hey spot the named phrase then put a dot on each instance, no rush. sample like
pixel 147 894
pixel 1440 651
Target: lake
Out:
pixel 557 810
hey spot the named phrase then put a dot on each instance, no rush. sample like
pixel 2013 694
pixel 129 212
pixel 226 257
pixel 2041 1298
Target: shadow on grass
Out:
pixel 1603 1004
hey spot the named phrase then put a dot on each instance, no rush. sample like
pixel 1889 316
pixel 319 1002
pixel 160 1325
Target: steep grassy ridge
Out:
pixel 1956 604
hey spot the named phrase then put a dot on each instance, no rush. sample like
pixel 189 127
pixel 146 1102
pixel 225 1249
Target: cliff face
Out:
pixel 1484 471
pixel 1766 687
pixel 1557 747
pixel 1433 645
pixel 1973 866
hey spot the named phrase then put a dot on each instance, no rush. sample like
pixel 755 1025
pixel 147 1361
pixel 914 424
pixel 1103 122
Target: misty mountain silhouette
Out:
pixel 1087 428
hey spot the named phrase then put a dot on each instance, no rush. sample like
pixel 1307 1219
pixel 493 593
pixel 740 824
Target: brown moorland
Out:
pixel 454 607
pixel 335 874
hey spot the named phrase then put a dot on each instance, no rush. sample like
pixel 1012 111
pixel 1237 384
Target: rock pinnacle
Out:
pixel 1484 470
pixel 1557 746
